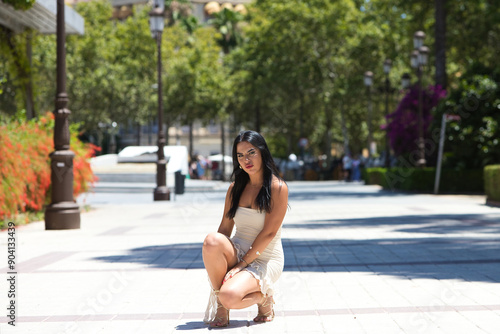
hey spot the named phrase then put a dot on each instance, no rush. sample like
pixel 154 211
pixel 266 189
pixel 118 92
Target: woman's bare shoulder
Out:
pixel 230 190
pixel 278 184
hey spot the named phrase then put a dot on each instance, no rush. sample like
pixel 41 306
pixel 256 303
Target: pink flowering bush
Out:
pixel 402 125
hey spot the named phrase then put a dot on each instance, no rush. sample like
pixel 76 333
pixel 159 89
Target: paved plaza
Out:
pixel 357 260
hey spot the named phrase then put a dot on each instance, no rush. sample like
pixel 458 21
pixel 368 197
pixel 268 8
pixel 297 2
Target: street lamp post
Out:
pixel 387 70
pixel 368 80
pixel 63 212
pixel 161 192
pixel 405 80
pixel 419 59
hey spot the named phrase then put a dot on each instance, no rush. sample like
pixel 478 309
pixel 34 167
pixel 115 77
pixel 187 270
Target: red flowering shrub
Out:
pixel 25 165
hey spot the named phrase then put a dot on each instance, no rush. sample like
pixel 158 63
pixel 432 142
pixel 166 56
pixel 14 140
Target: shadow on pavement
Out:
pixel 201 325
pixel 191 325
pixel 434 258
pixel 434 246
pixel 318 194
pixel 437 224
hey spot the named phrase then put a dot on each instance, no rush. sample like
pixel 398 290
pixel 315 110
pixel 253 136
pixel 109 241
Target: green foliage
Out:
pixel 20 4
pixel 277 145
pixel 226 22
pixel 112 69
pixel 297 70
pixel 492 183
pixel 44 71
pixel 301 66
pixel 476 38
pixel 375 176
pixel 422 179
pixel 197 85
pixel 474 141
pixel 14 70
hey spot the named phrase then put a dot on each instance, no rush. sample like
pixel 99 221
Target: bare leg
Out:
pixel 241 291
pixel 266 310
pixel 219 256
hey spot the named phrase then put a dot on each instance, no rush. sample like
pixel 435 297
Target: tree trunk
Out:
pixel 328 135
pixel 138 134
pixel 167 127
pixel 191 139
pixel 301 127
pixel 30 107
pixel 223 151
pixel 150 130
pixel 257 117
pixel 440 44
pixel 289 147
pixel 344 128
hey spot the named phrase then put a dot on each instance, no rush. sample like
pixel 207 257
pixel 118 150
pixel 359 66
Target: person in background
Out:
pixel 201 166
pixel 347 165
pixel 193 172
pixel 356 168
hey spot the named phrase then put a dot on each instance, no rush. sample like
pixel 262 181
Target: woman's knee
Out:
pixel 229 298
pixel 212 241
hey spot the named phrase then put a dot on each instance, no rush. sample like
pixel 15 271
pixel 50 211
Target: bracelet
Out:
pixel 245 261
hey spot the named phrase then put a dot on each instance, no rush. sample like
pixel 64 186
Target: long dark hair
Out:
pixel 241 178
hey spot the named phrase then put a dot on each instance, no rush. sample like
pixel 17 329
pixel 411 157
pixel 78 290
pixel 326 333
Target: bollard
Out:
pixel 179 183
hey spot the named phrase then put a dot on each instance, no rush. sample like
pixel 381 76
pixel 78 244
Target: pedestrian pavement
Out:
pixel 357 260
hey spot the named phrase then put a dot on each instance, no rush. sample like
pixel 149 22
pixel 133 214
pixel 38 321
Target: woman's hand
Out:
pixel 236 269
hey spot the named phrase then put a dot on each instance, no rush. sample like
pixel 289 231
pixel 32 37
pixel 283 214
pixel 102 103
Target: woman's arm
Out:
pixel 226 226
pixel 274 219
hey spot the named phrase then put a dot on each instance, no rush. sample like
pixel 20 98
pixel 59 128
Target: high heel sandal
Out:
pixel 265 316
pixel 220 321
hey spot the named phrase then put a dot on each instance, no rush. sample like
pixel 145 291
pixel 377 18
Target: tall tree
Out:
pixel 309 58
pixel 440 43
pixel 196 84
pixel 226 22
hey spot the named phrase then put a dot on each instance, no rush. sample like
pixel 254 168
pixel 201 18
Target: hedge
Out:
pixel 422 179
pixel 492 183
pixel 25 165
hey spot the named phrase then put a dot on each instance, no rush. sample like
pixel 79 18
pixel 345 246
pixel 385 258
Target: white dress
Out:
pixel 267 268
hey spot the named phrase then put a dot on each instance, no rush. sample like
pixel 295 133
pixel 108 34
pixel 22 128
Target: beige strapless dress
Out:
pixel 267 268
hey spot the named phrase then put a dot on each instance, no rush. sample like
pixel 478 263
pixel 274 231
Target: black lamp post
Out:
pixel 156 22
pixel 387 70
pixel 368 80
pixel 419 59
pixel 63 212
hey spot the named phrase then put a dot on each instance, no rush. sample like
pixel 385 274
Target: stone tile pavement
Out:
pixel 358 260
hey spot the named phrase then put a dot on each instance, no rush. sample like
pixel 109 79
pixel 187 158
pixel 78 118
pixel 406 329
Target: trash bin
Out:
pixel 179 183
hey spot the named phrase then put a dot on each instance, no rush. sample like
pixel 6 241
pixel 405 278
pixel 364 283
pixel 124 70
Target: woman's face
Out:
pixel 249 158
